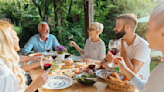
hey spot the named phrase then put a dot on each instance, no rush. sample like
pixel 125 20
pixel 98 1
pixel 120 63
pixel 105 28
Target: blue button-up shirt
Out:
pixel 37 44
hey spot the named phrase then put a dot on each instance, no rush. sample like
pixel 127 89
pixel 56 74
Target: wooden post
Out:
pixel 89 18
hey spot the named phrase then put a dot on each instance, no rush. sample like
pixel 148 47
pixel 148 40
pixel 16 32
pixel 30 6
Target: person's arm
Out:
pixel 134 79
pixel 29 58
pixel 140 56
pixel 134 64
pixel 76 46
pixel 55 41
pixel 28 67
pixel 38 82
pixel 28 47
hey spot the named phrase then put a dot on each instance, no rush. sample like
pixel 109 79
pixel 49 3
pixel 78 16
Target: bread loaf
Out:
pixel 67 61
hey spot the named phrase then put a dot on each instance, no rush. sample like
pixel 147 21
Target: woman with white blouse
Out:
pixel 11 75
pixel 95 49
pixel 155 37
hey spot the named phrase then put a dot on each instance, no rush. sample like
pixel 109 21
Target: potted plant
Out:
pixel 60 52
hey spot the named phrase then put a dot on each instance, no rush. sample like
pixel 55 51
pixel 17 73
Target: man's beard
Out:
pixel 45 35
pixel 120 34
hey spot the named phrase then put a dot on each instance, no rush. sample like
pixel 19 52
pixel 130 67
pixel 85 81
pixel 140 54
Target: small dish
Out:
pixel 100 72
pixel 81 79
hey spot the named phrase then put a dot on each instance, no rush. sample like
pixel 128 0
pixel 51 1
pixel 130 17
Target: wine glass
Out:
pixel 70 37
pixel 54 57
pixel 114 48
pixel 46 62
pixel 91 65
pixel 48 49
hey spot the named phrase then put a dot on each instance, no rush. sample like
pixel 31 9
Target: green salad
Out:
pixel 82 78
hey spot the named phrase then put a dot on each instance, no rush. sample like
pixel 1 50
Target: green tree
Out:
pixel 14 10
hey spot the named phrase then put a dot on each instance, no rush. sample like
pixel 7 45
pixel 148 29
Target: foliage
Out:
pixel 17 29
pixel 77 32
pixel 16 10
pixel 28 30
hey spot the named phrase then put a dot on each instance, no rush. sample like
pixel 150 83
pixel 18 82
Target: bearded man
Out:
pixel 42 41
pixel 134 49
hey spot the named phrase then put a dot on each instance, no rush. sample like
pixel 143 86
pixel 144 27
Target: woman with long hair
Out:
pixel 12 77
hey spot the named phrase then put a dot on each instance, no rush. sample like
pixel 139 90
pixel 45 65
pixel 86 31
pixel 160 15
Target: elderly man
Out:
pixel 134 49
pixel 41 42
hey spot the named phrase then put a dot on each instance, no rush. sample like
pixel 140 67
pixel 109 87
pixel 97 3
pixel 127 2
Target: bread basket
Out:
pixel 123 86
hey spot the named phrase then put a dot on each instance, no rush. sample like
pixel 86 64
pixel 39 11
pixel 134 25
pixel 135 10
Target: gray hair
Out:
pixel 98 26
pixel 157 15
pixel 40 24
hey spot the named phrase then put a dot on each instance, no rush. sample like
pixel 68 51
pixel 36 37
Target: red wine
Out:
pixel 91 66
pixel 71 39
pixel 114 51
pixel 48 50
pixel 54 57
pixel 47 66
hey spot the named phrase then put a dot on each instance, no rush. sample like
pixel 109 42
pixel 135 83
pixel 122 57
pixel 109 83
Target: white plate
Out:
pixel 58 82
pixel 44 53
pixel 104 71
pixel 76 58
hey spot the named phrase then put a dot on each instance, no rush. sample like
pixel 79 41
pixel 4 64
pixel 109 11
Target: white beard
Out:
pixel 46 36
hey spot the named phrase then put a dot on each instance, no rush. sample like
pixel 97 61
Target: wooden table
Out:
pixel 99 86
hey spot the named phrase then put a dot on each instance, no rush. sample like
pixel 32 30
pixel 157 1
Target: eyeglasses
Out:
pixel 91 29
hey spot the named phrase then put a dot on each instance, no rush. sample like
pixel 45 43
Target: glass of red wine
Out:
pixel 91 66
pixel 70 37
pixel 48 49
pixel 114 47
pixel 46 62
pixel 54 57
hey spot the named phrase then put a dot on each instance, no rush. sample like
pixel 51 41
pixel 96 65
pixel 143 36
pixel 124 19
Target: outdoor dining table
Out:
pixel 99 86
